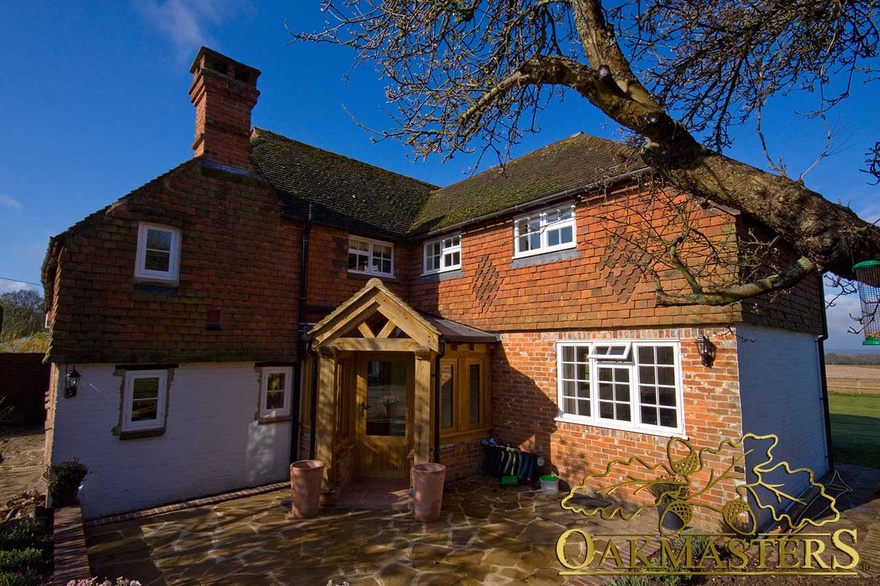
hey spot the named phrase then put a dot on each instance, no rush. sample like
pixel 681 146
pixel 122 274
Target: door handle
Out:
pixel 363 408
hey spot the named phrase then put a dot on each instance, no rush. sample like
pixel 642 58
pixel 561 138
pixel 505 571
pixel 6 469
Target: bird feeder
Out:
pixel 868 276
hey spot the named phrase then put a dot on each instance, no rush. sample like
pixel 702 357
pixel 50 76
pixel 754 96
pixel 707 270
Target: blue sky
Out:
pixel 94 103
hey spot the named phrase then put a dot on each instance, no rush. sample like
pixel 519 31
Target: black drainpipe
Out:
pixel 821 342
pixel 302 349
pixel 437 399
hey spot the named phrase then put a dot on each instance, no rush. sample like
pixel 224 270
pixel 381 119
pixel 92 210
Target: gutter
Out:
pixel 574 191
pixel 820 341
pixel 437 358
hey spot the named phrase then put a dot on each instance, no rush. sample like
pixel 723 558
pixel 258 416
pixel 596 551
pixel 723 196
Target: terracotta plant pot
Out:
pixel 306 477
pixel 428 491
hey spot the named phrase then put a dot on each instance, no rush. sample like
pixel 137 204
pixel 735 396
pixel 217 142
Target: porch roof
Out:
pixel 456 332
pixel 347 327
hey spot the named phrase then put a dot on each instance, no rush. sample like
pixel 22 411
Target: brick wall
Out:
pixel 462 459
pixel 23 382
pixel 330 283
pixel 595 286
pixel 524 408
pixel 238 256
pixel 598 289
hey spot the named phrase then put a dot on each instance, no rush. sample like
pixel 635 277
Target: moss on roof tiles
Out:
pixel 363 197
pixel 571 163
pixel 356 194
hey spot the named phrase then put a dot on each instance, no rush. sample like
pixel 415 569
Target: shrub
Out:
pixel 63 479
pixel 24 533
pixel 22 560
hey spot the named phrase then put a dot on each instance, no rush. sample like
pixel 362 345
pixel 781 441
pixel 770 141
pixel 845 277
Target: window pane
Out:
pixel 568 353
pixel 623 412
pixel 475 384
pixel 646 355
pixel 668 418
pixel 649 415
pixel 666 375
pixel 386 398
pixel 157 260
pixel 158 240
pixel 447 392
pixel 553 238
pixel 275 400
pixel 667 397
pixel 646 375
pixel 275 381
pixel 145 388
pixel 568 371
pixel 606 410
pixel 145 409
pixel 583 390
pixel 665 355
pixel 534 241
pixel 648 395
pixel 566 235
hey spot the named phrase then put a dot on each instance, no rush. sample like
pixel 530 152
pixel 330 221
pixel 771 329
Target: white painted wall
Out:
pixel 212 441
pixel 781 394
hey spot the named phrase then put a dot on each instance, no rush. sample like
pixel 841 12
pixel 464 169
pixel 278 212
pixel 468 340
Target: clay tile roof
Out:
pixel 569 164
pixel 345 192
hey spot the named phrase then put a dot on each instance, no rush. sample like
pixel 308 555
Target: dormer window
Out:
pixel 158 253
pixel 544 231
pixel 370 257
pixel 443 254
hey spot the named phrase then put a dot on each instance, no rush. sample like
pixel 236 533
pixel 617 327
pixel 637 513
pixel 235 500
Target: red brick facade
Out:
pixel 238 257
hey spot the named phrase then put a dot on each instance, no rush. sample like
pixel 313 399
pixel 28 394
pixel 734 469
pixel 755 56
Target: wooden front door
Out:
pixel 383 421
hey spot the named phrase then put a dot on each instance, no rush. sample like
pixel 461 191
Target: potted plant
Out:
pixel 63 480
pixel 671 498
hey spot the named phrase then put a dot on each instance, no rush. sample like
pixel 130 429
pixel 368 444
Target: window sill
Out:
pixel 631 429
pixel 438 276
pixel 274 419
pixel 141 433
pixel 368 276
pixel 156 287
pixel 540 258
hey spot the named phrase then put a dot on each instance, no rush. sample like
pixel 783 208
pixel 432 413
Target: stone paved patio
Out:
pixel 487 535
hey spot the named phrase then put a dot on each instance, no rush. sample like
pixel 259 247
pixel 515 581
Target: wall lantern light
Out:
pixel 71 381
pixel 707 350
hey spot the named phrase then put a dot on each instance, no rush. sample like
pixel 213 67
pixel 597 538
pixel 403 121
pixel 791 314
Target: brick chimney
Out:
pixel 224 92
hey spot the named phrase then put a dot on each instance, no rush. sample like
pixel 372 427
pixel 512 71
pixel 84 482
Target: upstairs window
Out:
pixel 544 231
pixel 443 254
pixel 370 257
pixel 158 253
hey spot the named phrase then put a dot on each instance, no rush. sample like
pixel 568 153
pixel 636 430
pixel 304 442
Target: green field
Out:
pixel 855 428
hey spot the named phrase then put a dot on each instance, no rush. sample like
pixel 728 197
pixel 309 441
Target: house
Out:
pixel 268 301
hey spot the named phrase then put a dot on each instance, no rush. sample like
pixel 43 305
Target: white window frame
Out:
pixel 371 256
pixel 597 361
pixel 128 400
pixel 140 270
pixel 284 411
pixel 448 250
pixel 544 228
